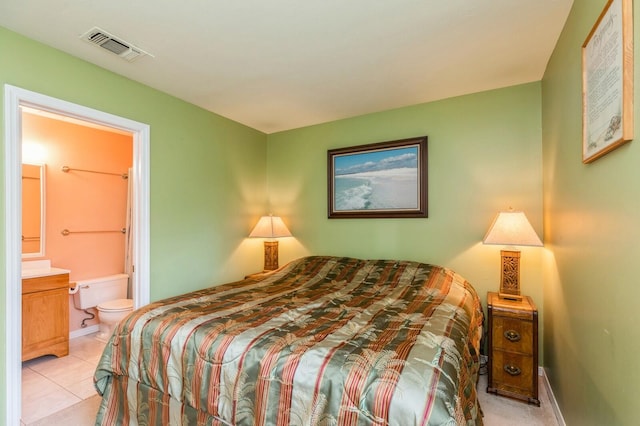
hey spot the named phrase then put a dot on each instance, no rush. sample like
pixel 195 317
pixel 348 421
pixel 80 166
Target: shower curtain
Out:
pixel 128 241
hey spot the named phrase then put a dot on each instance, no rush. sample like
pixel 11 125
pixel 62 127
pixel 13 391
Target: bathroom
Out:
pixel 91 206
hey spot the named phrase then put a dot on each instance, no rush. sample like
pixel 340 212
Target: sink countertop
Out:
pixel 34 273
pixel 40 268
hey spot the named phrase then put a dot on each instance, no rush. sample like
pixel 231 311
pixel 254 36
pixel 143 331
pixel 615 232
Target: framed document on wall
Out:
pixel 607 81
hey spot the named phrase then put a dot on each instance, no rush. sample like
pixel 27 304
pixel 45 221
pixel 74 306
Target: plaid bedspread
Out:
pixel 322 341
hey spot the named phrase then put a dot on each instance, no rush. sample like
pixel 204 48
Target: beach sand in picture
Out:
pixel 377 190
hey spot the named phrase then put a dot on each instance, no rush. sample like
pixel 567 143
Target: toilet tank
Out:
pixel 90 293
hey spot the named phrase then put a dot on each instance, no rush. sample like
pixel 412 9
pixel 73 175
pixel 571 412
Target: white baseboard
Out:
pixel 84 331
pixel 552 397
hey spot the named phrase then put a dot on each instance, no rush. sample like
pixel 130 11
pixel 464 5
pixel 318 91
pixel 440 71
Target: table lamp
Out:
pixel 270 227
pixel 511 228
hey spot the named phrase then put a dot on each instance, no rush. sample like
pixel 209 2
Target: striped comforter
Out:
pixel 322 341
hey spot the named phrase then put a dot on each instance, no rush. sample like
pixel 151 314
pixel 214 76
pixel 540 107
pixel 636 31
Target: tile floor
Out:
pixel 51 384
pixel 502 411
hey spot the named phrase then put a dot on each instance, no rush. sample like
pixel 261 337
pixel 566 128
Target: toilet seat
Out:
pixel 116 305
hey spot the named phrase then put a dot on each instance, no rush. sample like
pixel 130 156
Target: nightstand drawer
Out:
pixel 513 335
pixel 513 347
pixel 512 373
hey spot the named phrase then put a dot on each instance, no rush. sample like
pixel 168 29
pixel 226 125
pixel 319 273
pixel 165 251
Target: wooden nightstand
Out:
pixel 513 348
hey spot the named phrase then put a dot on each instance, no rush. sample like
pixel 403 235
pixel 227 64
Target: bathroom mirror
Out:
pixel 33 210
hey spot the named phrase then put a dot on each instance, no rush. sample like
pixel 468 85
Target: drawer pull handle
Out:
pixel 512 335
pixel 512 369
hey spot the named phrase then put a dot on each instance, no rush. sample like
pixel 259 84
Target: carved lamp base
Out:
pixel 270 255
pixel 510 275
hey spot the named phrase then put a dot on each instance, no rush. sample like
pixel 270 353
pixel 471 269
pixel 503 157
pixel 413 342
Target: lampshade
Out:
pixel 512 228
pixel 270 227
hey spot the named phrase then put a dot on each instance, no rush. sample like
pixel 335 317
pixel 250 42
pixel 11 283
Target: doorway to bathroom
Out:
pixel 85 203
pixel 15 100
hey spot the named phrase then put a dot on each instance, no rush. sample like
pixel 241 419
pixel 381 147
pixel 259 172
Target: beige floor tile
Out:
pixel 51 384
pixel 87 348
pixel 31 379
pixel 503 411
pixel 83 389
pixel 65 371
pixel 42 397
pixel 80 414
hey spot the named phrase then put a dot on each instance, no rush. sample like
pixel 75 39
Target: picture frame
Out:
pixel 378 180
pixel 607 81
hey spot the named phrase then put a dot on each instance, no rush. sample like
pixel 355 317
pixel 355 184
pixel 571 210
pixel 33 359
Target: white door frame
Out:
pixel 14 98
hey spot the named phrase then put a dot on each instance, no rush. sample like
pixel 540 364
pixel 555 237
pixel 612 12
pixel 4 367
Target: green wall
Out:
pixel 208 187
pixel 484 155
pixel 207 172
pixel 592 212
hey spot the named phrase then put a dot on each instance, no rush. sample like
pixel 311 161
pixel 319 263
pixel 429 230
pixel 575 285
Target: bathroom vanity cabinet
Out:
pixel 45 316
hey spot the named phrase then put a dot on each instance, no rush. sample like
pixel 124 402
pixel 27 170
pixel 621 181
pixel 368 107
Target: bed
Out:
pixel 321 341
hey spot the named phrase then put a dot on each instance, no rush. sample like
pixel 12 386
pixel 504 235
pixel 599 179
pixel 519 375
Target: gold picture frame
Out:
pixel 607 81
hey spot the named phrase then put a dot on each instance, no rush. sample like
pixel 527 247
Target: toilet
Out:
pixel 109 296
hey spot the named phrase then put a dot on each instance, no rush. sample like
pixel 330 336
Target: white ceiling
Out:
pixel 281 64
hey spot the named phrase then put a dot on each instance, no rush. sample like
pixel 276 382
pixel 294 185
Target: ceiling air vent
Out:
pixel 109 42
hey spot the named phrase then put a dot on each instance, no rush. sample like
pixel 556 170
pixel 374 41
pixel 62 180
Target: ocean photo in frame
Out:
pixel 379 180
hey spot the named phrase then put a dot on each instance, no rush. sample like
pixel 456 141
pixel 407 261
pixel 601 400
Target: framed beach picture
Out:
pixel 379 180
pixel 607 81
